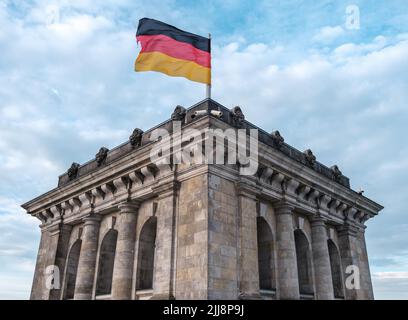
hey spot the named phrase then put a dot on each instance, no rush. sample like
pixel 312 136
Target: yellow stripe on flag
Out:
pixel 157 61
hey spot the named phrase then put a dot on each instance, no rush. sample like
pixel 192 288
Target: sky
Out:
pixel 67 87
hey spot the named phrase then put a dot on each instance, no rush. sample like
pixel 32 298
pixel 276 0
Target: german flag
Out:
pixel 173 51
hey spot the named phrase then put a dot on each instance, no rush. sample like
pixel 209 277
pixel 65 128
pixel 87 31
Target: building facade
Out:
pixel 122 226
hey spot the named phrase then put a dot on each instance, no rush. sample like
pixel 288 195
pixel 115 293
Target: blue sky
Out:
pixel 67 87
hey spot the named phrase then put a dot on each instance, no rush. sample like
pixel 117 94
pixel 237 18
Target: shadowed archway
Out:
pixel 266 264
pixel 335 265
pixel 106 262
pixel 71 269
pixel 145 258
pixel 304 263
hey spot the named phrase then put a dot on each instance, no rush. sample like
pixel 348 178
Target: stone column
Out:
pixel 286 252
pixel 347 243
pixel 164 269
pixel 353 252
pixel 321 260
pixel 248 247
pixel 366 285
pixel 125 251
pixel 37 290
pixel 50 264
pixel 87 258
pixel 59 241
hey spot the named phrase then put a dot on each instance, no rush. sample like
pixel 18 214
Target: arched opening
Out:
pixel 304 263
pixel 145 258
pixel 265 255
pixel 335 265
pixel 106 262
pixel 71 269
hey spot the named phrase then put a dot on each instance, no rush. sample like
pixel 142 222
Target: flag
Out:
pixel 173 51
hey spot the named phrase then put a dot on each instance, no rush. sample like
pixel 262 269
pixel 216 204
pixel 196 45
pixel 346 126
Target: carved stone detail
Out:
pixel 148 174
pixel 108 189
pixel 120 184
pixel 100 157
pixel 323 201
pixel 85 199
pixel 312 196
pixel 336 173
pixel 237 116
pixel 303 191
pixel 277 181
pixel 310 157
pixel 178 114
pixel 278 139
pixel 266 175
pixel 290 185
pixel 135 138
pixel 98 194
pixel 136 178
pixel 73 171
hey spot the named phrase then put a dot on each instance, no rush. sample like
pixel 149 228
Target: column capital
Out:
pixel 58 227
pixel 92 218
pixel 247 190
pixel 129 207
pixel 283 207
pixel 317 220
pixel 348 229
pixel 167 189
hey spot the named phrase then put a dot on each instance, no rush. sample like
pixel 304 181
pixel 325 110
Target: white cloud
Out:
pixel 391 275
pixel 328 34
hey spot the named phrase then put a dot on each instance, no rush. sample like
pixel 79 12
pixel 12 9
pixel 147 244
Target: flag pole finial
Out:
pixel 208 86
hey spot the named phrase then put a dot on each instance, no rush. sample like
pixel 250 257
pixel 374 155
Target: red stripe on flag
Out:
pixel 175 49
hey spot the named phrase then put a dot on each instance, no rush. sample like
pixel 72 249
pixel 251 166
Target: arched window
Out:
pixel 335 265
pixel 265 255
pixel 106 261
pixel 145 258
pixel 72 268
pixel 304 263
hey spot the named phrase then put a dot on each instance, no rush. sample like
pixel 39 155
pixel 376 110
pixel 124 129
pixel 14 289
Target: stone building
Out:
pixel 123 227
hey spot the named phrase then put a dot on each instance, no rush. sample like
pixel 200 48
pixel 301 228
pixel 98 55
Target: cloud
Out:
pixel 391 275
pixel 328 34
pixel 390 285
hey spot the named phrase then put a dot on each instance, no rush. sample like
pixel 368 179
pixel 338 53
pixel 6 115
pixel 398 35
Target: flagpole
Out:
pixel 208 86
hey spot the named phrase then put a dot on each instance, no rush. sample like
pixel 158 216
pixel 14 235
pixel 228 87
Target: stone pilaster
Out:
pixel 38 288
pixel 366 284
pixel 347 240
pixel 286 252
pixel 125 251
pixel 58 250
pixel 164 264
pixel 321 260
pixel 49 271
pixel 248 248
pixel 87 258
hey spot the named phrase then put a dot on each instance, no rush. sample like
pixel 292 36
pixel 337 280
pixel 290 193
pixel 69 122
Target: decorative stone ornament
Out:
pixel 135 138
pixel 100 157
pixel 310 157
pixel 336 172
pixel 237 116
pixel 73 171
pixel 178 114
pixel 278 139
